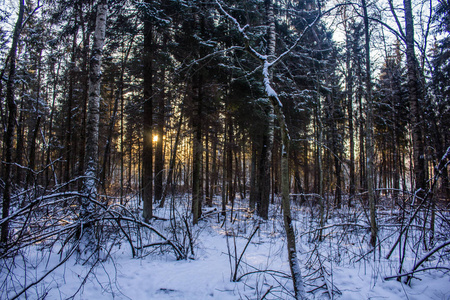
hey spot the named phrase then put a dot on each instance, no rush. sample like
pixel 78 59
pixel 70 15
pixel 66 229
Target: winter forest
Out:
pixel 225 149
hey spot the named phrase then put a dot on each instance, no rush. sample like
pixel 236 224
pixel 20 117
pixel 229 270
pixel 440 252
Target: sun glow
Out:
pixel 155 138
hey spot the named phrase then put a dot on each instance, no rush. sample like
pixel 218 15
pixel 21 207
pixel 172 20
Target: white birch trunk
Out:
pixel 276 106
pixel 369 132
pixel 91 158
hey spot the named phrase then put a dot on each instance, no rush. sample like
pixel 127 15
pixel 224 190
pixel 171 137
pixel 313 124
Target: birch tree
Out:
pixel 369 132
pixel 267 62
pixel 92 127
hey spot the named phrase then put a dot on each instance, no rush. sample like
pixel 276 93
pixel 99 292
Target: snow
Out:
pixel 269 90
pixel 217 246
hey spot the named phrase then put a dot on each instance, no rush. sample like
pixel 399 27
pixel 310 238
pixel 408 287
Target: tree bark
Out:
pixel 263 181
pixel 9 135
pixel 197 150
pixel 147 156
pixel 92 126
pixel 369 131
pixel 160 121
pixel 349 92
pixel 253 177
pixel 414 95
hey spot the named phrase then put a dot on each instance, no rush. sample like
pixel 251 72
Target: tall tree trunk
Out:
pixel 50 130
pixel 160 121
pixel 9 135
pixel 197 149
pixel 244 167
pixel 229 154
pixel 414 95
pixel 32 152
pixel 305 162
pixel 69 113
pixel 147 155
pixel 19 153
pixel 92 126
pixel 85 95
pixel 32 134
pixel 369 131
pixel 208 197
pixel 349 91
pixel 268 135
pixel 263 180
pixel 294 264
pixel 214 173
pixel 253 177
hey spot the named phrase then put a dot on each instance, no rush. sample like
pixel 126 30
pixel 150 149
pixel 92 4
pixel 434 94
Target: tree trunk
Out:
pixel 85 95
pixel 160 121
pixel 208 198
pixel 19 153
pixel 147 155
pixel 9 135
pixel 349 91
pixel 32 153
pixel 288 226
pixel 414 95
pixel 263 181
pixel 229 165
pixel 48 160
pixel 92 126
pixel 197 149
pixel 369 131
pixel 253 177
pixel 69 113
pixel 268 135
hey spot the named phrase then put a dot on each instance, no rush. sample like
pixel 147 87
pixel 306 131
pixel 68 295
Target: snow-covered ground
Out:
pixel 334 266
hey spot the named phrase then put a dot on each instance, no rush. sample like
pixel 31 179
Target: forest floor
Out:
pixel 340 266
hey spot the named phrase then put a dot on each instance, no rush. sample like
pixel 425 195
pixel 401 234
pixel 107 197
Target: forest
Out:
pixel 225 149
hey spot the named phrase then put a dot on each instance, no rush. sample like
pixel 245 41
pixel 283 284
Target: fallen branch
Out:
pixel 425 258
pixel 416 271
pixel 242 253
pixel 74 248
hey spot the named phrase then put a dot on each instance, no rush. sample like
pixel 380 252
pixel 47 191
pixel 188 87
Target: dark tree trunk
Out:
pixel 85 95
pixel 9 135
pixel 414 98
pixel 349 91
pixel 263 198
pixel 208 198
pixel 160 122
pixel 147 156
pixel 229 155
pixel 253 177
pixel 68 132
pixel 214 173
pixel 197 149
pixel 32 152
